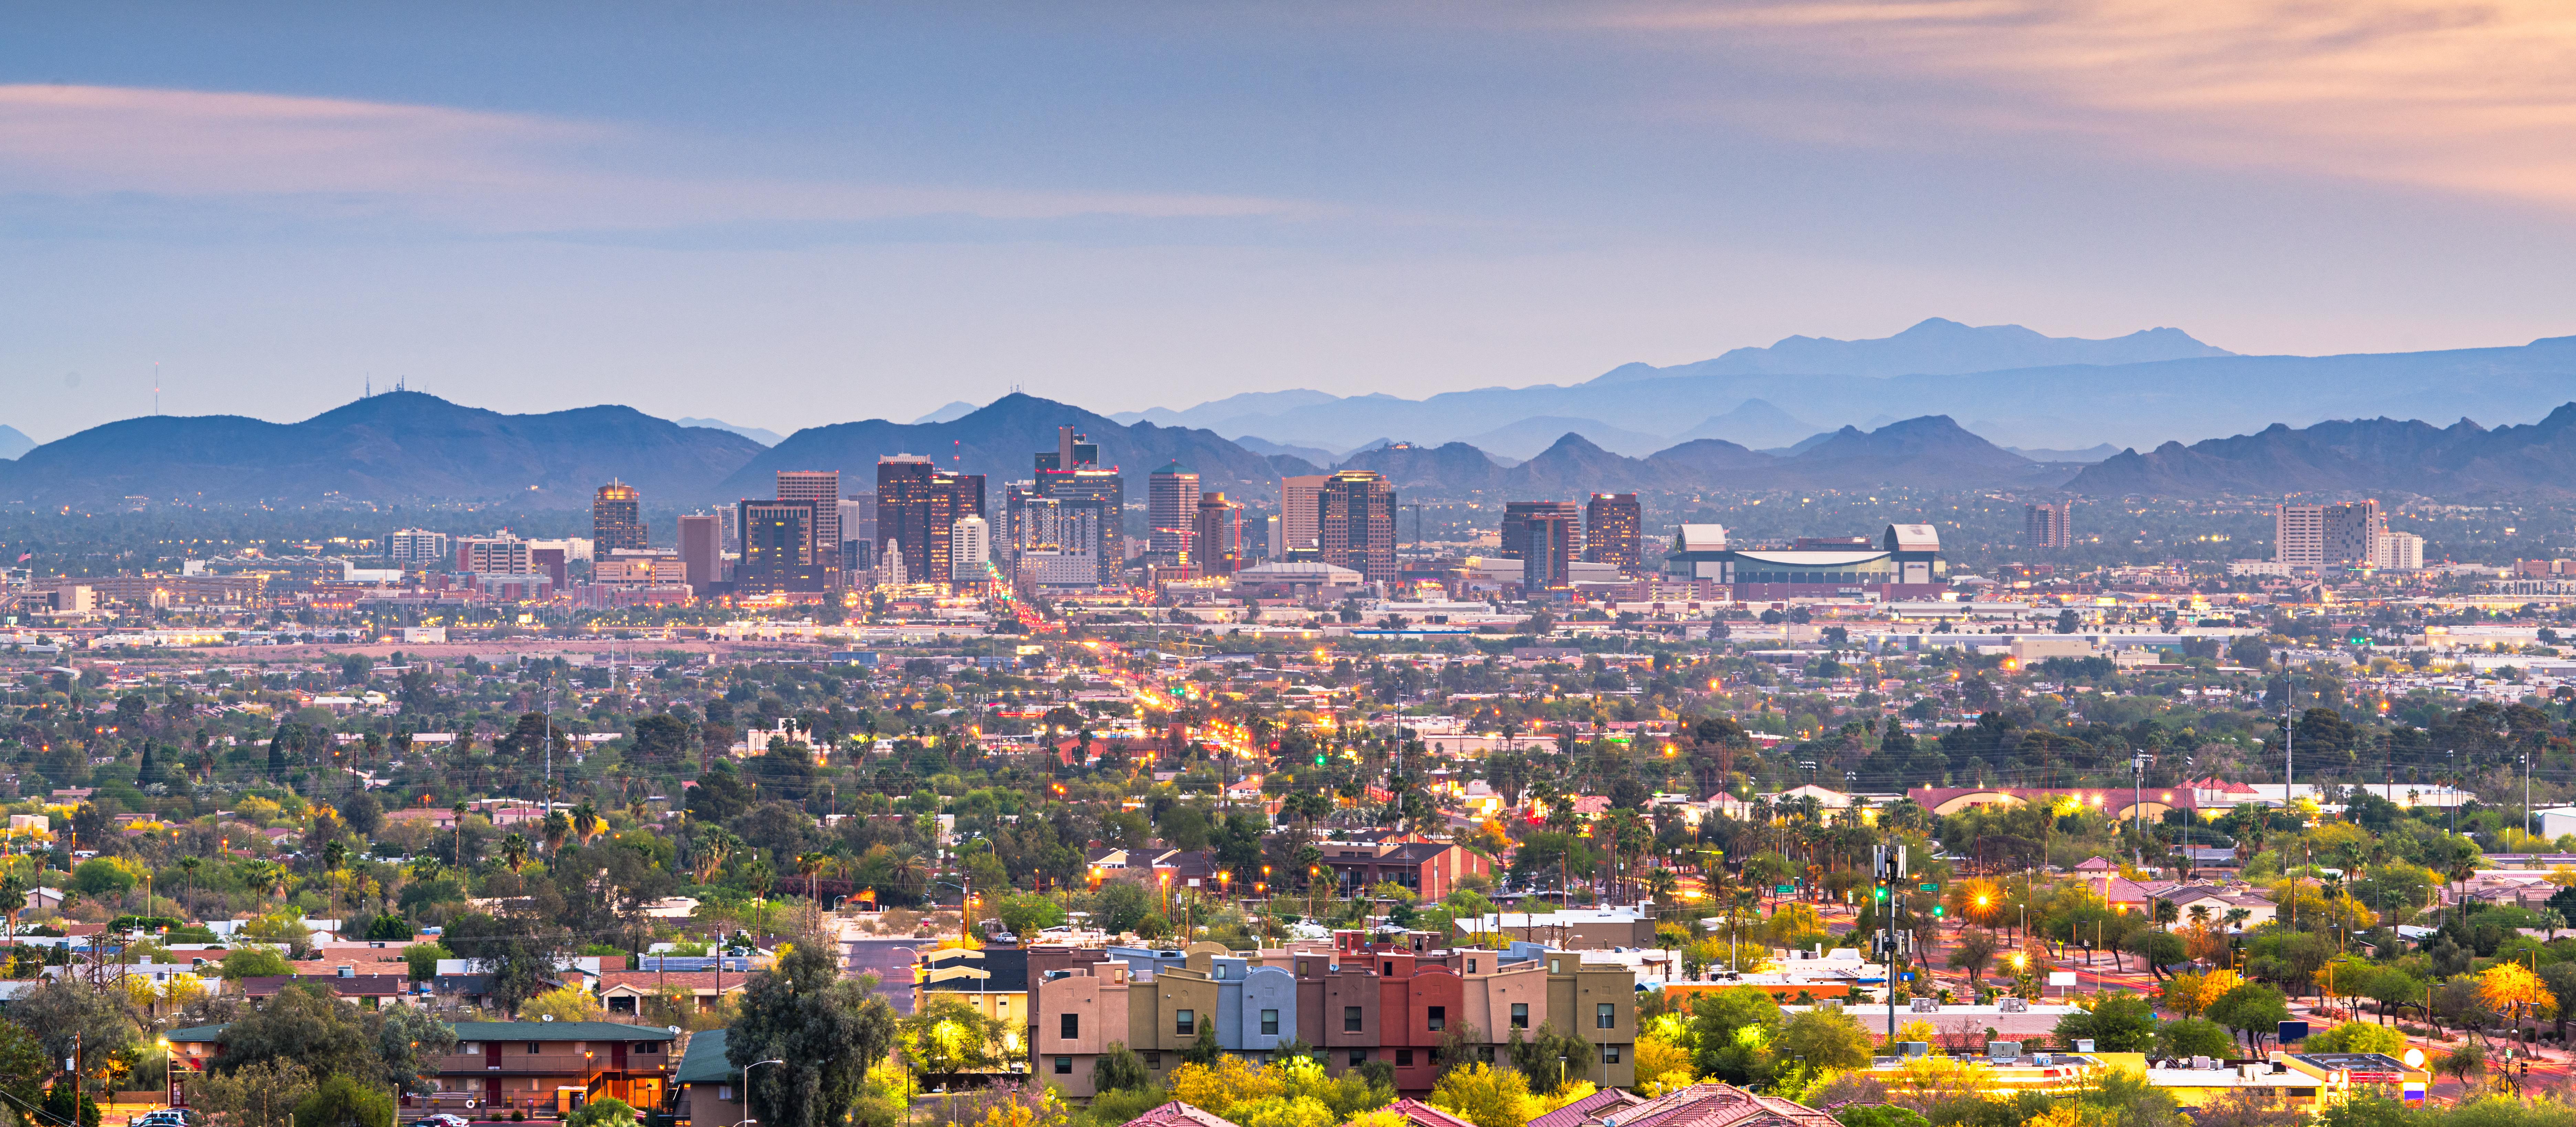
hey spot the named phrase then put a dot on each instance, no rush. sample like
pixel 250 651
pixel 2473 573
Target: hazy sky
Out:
pixel 789 214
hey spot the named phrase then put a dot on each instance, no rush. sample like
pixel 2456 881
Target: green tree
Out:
pixel 2356 1037
pixel 422 959
pixel 1119 1069
pixel 23 1066
pixel 64 1011
pixel 2193 1037
pixel 1026 914
pixel 343 1102
pixel 517 950
pixel 254 962
pixel 827 1029
pixel 1486 1097
pixel 2115 1023
pixel 1880 1115
pixel 2251 1009
pixel 1825 1038
pixel 607 1112
pixel 100 878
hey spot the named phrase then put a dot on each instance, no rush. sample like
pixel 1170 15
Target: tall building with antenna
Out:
pixel 617 519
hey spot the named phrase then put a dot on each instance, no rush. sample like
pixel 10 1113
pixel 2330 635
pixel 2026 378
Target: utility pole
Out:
pixel 2137 812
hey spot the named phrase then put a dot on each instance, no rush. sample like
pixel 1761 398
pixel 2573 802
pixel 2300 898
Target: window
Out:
pixel 1520 1015
pixel 1404 1058
pixel 462 1047
pixel 1389 970
pixel 1185 1023
pixel 1270 1022
pixel 1609 1054
pixel 1487 1052
pixel 532 1047
pixel 1556 966
pixel 1359 1057
pixel 649 1047
pixel 1301 968
pixel 1439 1018
pixel 1064 1066
pixel 724 1092
pixel 1350 1019
pixel 1605 1016
pixel 1068 1026
pixel 1154 1061
pixel 1471 964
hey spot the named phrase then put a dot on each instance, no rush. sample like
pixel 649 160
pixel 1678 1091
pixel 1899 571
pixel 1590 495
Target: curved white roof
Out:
pixel 1811 559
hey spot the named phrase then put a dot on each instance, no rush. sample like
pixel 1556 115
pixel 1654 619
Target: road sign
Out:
pixel 1784 890
pixel 1928 887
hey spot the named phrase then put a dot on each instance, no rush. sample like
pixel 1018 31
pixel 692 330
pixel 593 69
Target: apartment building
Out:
pixel 1353 1002
pixel 541 1065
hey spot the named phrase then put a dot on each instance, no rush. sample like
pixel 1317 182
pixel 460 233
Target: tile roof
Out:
pixel 651 980
pixel 1178 1114
pixel 1609 1101
pixel 1721 1105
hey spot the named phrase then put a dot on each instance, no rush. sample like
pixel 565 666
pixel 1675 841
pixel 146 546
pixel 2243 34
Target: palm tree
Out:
pixel 586 822
pixel 188 866
pixel 555 829
pixel 514 851
pixel 809 866
pixel 908 872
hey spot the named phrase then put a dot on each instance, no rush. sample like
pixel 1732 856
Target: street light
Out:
pixel 746 1089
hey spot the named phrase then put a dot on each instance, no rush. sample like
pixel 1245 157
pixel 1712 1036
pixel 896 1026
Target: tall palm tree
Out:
pixel 908 873
pixel 188 867
pixel 514 851
pixel 586 822
pixel 810 866
pixel 555 830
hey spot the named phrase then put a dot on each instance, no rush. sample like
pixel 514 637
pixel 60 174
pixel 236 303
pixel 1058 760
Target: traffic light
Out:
pixel 1882 892
pixel 1938 911
pixel 1319 759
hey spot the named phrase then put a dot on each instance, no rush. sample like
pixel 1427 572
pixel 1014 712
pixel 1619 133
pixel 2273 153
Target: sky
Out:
pixel 789 214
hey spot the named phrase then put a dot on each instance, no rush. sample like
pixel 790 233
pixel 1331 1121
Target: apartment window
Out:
pixel 1350 1019
pixel 1471 964
pixel 1185 1023
pixel 1068 1026
pixel 649 1047
pixel 1154 1061
pixel 1404 1058
pixel 1301 968
pixel 1064 1066
pixel 1439 1018
pixel 1359 1057
pixel 1270 1022
pixel 1609 1054
pixel 532 1047
pixel 1520 1015
pixel 1487 1052
pixel 1389 970
pixel 724 1091
pixel 1605 1016
pixel 1556 966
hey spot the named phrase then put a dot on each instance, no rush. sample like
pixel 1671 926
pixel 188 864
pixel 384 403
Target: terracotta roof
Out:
pixel 1178 1114
pixel 1426 1115
pixel 1721 1105
pixel 1590 1108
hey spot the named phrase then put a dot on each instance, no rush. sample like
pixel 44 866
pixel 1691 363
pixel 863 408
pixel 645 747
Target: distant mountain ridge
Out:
pixel 1936 346
pixel 2383 455
pixel 14 442
pixel 390 447
pixel 2057 406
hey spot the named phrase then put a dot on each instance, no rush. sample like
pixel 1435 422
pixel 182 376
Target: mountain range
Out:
pixel 2380 455
pixel 2004 382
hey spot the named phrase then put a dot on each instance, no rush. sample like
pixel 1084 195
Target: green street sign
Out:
pixel 1785 890
pixel 1929 887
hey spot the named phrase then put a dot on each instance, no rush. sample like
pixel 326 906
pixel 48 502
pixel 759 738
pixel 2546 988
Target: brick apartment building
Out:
pixel 536 1065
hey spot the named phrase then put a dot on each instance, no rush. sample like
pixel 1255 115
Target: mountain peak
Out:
pixel 1934 346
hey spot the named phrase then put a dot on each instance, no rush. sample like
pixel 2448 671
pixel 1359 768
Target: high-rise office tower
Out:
pixel 414 547
pixel 616 518
pixel 1547 550
pixel 702 549
pixel 1300 507
pixel 2048 525
pixel 2328 535
pixel 778 549
pixel 1355 523
pixel 1612 524
pixel 1516 515
pixel 823 489
pixel 971 542
pixel 1171 514
pixel 1071 474
pixel 915 514
pixel 1216 543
